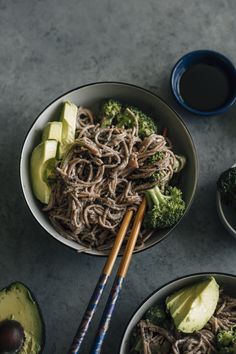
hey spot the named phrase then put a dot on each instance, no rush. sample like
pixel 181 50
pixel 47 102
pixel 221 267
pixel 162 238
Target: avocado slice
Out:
pixel 183 308
pixel 172 300
pixel 202 307
pixel 52 131
pixel 42 158
pixel 18 306
pixel 68 119
pixel 176 305
pixel 192 307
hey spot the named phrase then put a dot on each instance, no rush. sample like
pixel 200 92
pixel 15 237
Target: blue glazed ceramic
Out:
pixel 201 57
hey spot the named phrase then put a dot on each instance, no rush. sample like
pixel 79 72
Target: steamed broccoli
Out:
pixel 157 176
pixel 114 113
pixel 165 209
pixel 157 316
pixel 110 110
pixel 125 119
pixel 158 156
pixel 226 185
pixel 226 341
pixel 146 125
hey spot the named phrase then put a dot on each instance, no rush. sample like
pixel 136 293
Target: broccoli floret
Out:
pixel 226 341
pixel 157 316
pixel 156 177
pixel 145 124
pixel 158 156
pixel 125 120
pixel 110 110
pixel 226 185
pixel 165 209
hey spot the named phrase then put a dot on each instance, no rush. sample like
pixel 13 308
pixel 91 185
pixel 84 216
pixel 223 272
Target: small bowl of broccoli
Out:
pixel 226 199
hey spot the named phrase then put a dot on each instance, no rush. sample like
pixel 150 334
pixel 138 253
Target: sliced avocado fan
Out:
pixel 56 140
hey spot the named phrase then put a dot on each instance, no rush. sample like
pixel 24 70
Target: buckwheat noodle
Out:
pixel 99 179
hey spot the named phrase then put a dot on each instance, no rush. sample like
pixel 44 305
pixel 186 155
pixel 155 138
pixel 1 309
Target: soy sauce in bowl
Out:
pixel 204 82
pixel 205 87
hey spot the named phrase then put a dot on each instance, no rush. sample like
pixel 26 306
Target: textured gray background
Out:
pixel 50 46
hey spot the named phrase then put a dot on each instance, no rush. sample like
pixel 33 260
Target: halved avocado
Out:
pixel 52 131
pixel 19 310
pixel 42 159
pixel 68 119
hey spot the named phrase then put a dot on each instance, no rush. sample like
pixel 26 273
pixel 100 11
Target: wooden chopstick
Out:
pixel 117 244
pixel 126 259
pixel 107 269
pixel 117 285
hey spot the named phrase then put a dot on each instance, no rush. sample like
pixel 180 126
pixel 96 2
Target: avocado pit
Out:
pixel 12 337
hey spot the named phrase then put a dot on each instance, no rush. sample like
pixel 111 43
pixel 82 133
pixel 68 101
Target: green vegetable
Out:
pixel 158 156
pixel 180 162
pixel 165 209
pixel 226 185
pixel 192 307
pixel 226 341
pixel 110 110
pixel 157 316
pixel 113 113
pixel 127 119
pixel 156 177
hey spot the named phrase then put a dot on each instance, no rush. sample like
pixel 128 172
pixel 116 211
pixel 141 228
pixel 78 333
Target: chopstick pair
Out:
pixel 116 287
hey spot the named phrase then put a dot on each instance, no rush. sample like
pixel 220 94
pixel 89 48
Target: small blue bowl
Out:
pixel 202 57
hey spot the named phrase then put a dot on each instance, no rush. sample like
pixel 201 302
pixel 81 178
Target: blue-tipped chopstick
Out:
pixel 88 315
pixel 117 285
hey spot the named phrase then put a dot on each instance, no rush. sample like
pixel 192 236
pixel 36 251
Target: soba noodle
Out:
pixel 99 178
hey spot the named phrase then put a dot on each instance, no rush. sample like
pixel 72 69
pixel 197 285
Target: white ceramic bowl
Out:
pixel 91 96
pixel 226 214
pixel 226 281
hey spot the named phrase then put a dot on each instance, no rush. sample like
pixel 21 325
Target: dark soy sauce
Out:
pixel 205 87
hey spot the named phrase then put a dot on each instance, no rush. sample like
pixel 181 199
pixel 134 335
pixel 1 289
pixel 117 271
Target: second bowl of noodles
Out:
pixel 155 328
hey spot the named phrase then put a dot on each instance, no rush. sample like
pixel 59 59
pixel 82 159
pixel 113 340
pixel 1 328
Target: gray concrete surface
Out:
pixel 50 46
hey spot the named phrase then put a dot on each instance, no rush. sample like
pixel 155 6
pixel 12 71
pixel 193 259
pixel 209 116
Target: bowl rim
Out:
pixel 177 96
pixel 196 162
pixel 183 277
pixel 221 213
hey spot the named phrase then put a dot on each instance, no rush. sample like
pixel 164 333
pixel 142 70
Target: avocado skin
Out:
pixel 8 288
